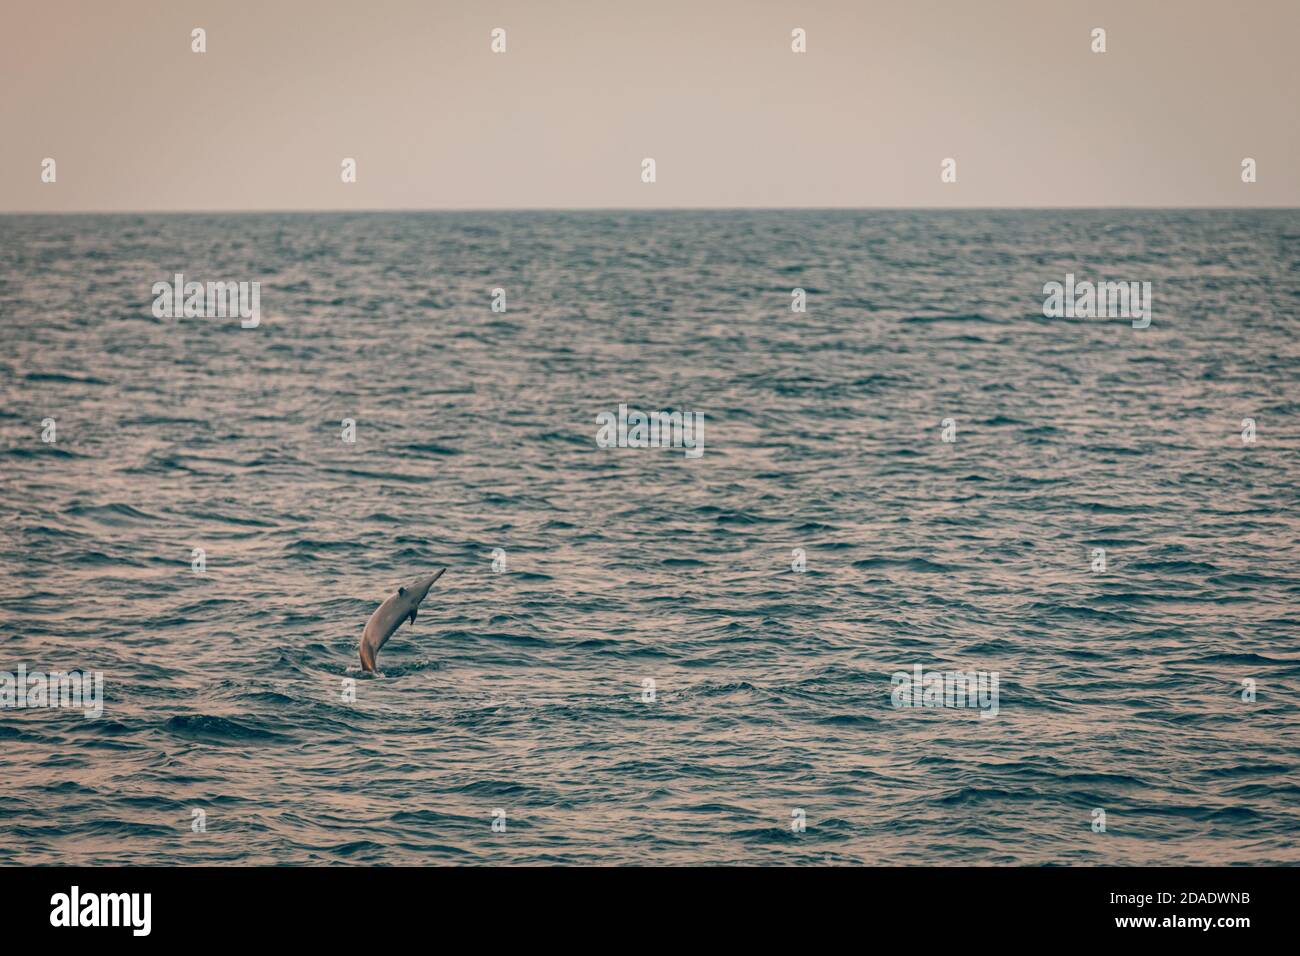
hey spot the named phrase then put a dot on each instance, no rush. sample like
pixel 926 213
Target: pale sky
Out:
pixel 587 88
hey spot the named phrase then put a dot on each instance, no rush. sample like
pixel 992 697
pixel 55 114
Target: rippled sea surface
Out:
pixel 522 691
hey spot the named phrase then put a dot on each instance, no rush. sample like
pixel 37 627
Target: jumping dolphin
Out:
pixel 388 617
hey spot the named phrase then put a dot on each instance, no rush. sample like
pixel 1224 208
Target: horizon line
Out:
pixel 582 209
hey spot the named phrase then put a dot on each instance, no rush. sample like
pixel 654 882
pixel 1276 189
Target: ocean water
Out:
pixel 522 691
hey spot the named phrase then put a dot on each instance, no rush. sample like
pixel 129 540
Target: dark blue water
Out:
pixel 522 691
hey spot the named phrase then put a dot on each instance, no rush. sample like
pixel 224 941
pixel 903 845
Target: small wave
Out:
pixel 212 728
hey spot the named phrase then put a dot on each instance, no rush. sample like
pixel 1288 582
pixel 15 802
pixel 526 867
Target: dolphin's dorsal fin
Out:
pixel 401 590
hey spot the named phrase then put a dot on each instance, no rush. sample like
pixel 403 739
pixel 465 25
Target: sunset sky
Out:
pixel 588 88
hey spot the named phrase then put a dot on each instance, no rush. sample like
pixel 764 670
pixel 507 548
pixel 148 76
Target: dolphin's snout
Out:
pixel 426 583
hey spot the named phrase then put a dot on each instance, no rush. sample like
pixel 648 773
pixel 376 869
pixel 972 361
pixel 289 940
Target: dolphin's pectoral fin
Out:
pixel 414 611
